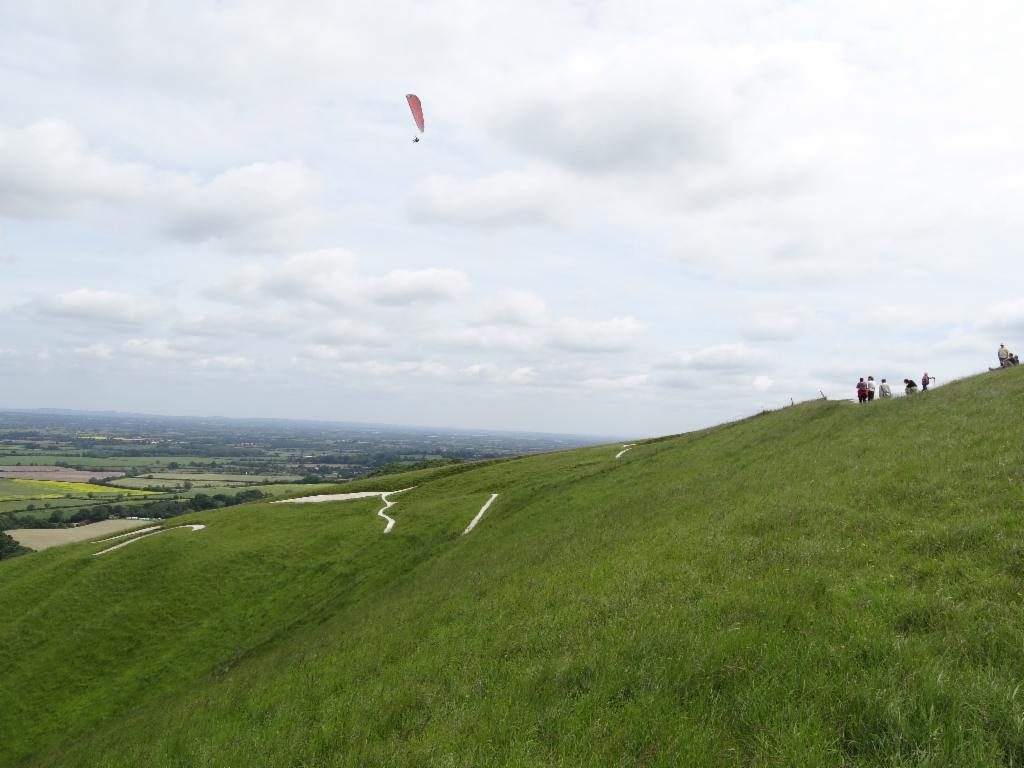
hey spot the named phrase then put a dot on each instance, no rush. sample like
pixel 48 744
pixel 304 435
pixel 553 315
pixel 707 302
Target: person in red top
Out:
pixel 862 391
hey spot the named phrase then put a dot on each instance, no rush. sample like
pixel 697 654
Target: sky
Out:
pixel 625 217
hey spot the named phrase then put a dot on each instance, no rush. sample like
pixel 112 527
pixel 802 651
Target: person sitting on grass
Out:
pixel 911 387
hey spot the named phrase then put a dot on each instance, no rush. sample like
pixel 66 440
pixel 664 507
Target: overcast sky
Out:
pixel 625 217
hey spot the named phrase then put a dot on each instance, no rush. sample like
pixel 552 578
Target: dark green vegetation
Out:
pixel 9 547
pixel 826 585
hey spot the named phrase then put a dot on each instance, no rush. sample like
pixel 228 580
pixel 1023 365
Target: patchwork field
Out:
pixel 213 476
pixel 55 473
pixel 115 462
pixel 44 538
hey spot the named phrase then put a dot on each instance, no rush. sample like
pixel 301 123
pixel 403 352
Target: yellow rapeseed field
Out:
pixel 55 489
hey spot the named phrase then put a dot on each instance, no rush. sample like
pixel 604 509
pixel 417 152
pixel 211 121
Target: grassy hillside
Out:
pixel 830 584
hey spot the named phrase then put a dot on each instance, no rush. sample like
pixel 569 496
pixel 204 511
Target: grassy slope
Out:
pixel 826 585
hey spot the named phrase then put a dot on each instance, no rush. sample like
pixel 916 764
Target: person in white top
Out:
pixel 871 388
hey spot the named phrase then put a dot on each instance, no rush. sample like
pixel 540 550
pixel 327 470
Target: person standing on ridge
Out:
pixel 884 390
pixel 1004 355
pixel 871 388
pixel 925 381
pixel 862 391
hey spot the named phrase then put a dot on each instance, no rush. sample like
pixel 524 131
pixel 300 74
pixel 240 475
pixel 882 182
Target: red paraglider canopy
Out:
pixel 417 109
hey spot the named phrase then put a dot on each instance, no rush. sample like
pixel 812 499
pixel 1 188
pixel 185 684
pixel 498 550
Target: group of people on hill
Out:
pixel 866 389
pixel 1006 357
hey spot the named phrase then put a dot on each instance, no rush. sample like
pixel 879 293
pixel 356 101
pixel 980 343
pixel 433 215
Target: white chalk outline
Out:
pixel 332 497
pixel 625 447
pixel 356 495
pixel 129 533
pixel 475 520
pixel 146 536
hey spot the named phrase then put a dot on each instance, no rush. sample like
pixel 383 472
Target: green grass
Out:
pixel 826 585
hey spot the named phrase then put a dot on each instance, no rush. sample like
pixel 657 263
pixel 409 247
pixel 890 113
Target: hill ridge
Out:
pixel 824 584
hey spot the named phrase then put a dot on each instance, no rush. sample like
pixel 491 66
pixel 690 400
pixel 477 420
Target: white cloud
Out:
pixel 347 332
pixel 321 352
pixel 329 278
pixel 773 326
pixel 508 199
pixel 427 368
pixel 720 357
pixel 156 349
pixel 1005 316
pixel 97 351
pixel 517 308
pixel 494 374
pixel 224 362
pixel 48 171
pixel 92 307
pixel 481 337
pixel 616 335
pixel 634 381
pixel 762 383
pixel 643 105
pixel 964 341
pixel 896 317
pixel 411 286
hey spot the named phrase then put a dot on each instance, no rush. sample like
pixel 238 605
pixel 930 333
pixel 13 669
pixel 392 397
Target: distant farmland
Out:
pixel 55 473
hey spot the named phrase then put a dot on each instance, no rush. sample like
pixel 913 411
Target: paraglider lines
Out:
pixel 475 520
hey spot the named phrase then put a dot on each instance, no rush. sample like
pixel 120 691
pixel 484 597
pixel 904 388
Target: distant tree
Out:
pixel 9 547
pixel 246 496
pixel 202 501
pixel 187 485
